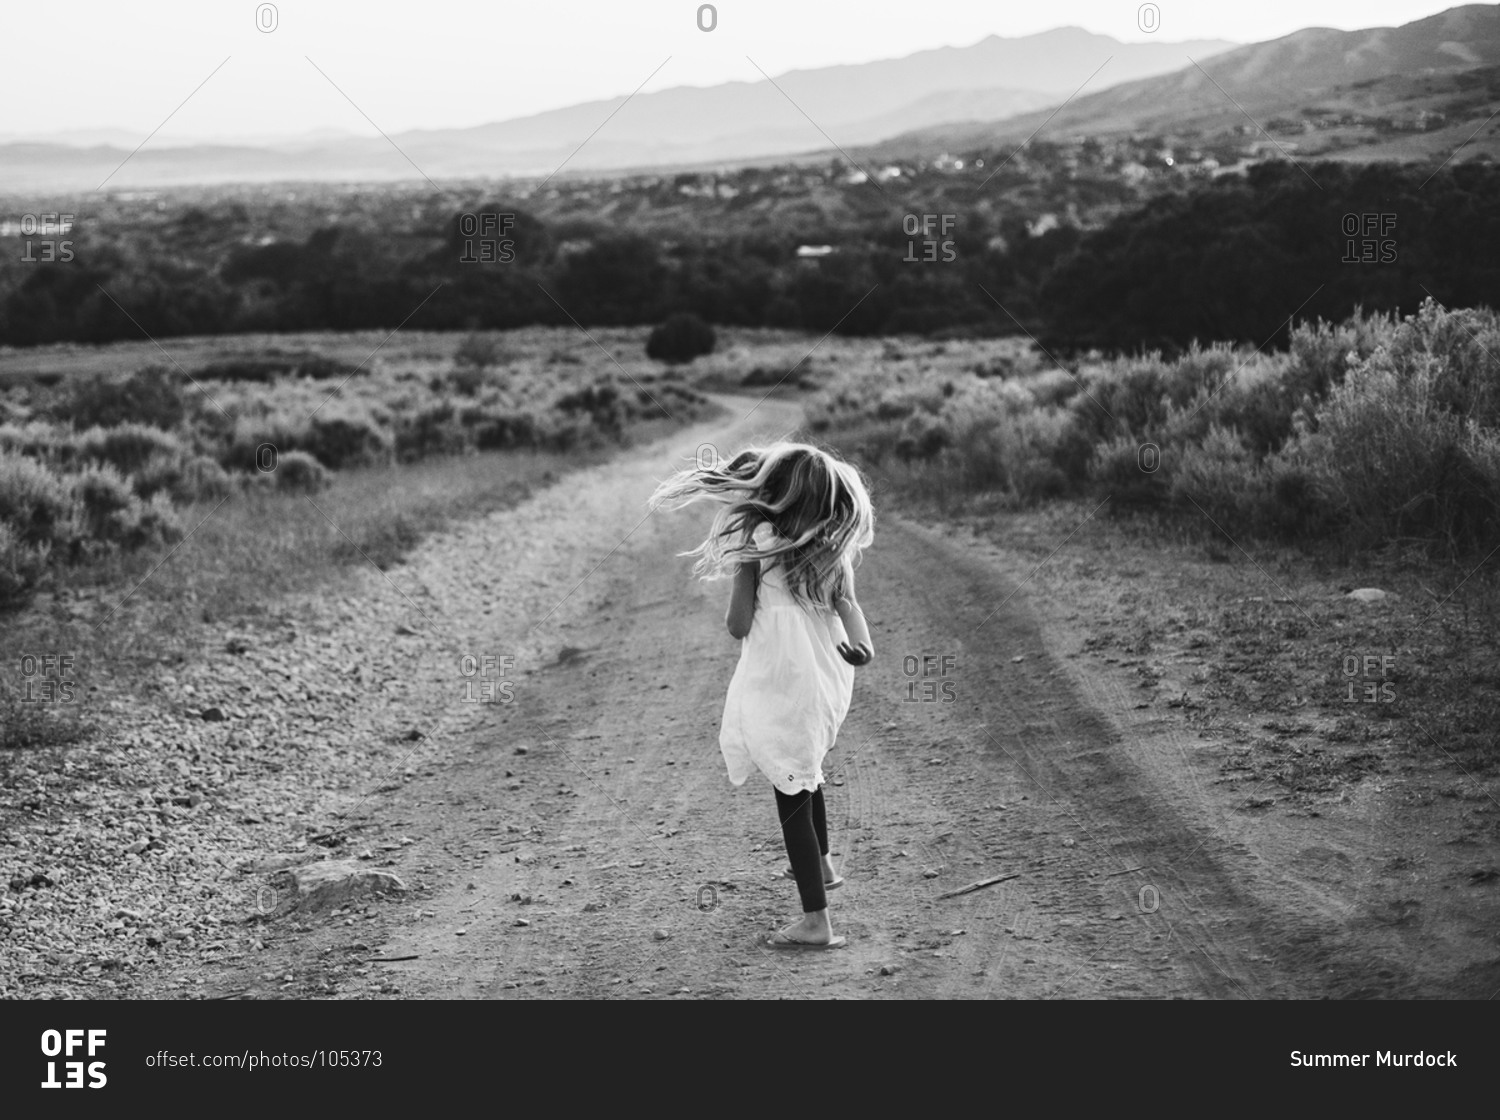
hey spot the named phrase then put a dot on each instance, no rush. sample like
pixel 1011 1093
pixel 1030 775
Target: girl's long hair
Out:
pixel 817 505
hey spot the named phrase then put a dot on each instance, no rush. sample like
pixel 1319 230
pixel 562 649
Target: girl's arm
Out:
pixel 742 598
pixel 860 648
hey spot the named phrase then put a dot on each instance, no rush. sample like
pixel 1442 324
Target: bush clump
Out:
pixel 340 440
pixel 35 503
pixel 113 514
pixel 128 447
pixel 153 395
pixel 22 566
pixel 431 431
pixel 265 370
pixel 681 338
pixel 298 472
pixel 478 352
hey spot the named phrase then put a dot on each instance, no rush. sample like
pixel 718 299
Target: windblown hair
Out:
pixel 817 505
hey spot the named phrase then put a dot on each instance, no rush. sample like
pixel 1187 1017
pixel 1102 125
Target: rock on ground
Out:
pixel 333 883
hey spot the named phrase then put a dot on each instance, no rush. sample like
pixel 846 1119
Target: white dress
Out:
pixel 791 689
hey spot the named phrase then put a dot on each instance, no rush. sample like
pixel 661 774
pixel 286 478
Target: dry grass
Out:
pixel 129 612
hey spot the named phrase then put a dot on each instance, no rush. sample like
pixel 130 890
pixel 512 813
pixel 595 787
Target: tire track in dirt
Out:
pixel 1271 920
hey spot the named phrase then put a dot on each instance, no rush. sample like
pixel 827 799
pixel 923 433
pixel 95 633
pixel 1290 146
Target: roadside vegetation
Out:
pixel 135 508
pixel 1368 432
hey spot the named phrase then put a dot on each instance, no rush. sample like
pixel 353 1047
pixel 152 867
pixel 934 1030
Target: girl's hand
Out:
pixel 857 655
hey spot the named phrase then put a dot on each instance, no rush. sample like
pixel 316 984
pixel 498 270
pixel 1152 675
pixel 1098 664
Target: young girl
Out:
pixel 793 525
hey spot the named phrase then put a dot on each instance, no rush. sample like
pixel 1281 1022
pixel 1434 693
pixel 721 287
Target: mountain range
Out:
pixel 796 112
pixel 1372 72
pixel 1365 85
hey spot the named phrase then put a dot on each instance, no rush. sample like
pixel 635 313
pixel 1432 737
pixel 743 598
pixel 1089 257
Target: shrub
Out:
pixel 1200 373
pixel 922 436
pixel 108 507
pixel 578 432
pixel 465 380
pixel 255 370
pixel 1319 353
pixel 1219 477
pixel 200 479
pixel 38 439
pixel 345 440
pixel 998 366
pixel 501 433
pixel 1465 344
pixel 128 447
pixel 477 352
pixel 160 472
pixel 1126 397
pixel 681 338
pixel 154 521
pixel 602 402
pixel 320 367
pixel 264 370
pixel 298 472
pixel 239 447
pixel 1263 409
pixel 1397 462
pixel 1297 506
pixel 153 395
pixel 431 431
pixel 35 503
pixel 1120 467
pixel 1011 451
pixel 1053 387
pixel 803 376
pixel 22 566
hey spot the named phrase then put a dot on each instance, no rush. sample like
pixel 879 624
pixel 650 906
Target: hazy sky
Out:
pixel 443 63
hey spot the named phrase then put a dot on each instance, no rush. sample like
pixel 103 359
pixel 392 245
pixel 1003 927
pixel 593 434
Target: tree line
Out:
pixel 1233 259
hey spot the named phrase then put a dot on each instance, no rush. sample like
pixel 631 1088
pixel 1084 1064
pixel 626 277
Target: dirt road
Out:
pixel 582 840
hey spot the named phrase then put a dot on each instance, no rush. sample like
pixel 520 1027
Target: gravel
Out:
pixel 128 860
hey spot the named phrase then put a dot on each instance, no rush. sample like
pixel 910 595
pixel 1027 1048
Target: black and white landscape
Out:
pixel 345 659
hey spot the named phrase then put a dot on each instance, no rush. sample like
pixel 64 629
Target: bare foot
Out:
pixel 813 929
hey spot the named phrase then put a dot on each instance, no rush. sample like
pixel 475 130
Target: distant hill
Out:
pixel 852 105
pixel 1372 72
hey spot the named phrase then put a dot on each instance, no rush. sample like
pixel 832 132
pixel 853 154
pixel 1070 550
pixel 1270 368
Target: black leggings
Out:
pixel 804 827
